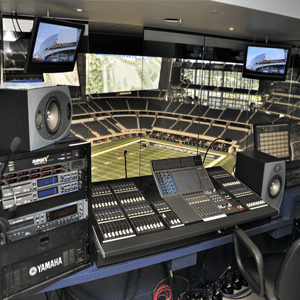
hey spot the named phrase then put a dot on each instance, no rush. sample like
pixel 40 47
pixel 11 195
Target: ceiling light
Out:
pixel 231 28
pixel 214 11
pixel 172 20
pixel 79 9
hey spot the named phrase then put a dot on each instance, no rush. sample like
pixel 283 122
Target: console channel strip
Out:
pixel 108 214
pixel 121 211
pixel 55 171
pixel 167 214
pixel 235 189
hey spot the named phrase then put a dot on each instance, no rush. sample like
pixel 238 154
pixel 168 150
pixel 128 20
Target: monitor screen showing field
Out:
pixel 120 73
pixel 266 60
pixel 55 43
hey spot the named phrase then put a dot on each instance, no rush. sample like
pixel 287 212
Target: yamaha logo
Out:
pixel 33 271
pixel 45 266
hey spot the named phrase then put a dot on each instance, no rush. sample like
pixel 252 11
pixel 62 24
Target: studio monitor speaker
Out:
pixel 263 173
pixel 39 116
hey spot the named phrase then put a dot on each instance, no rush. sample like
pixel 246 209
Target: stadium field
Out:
pixel 108 159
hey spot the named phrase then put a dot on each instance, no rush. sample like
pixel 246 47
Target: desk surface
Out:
pixel 93 273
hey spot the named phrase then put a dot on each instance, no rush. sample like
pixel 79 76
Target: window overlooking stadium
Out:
pixel 165 108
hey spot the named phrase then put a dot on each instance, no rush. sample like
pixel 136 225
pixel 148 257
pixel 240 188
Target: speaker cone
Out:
pixel 52 115
pixel 275 186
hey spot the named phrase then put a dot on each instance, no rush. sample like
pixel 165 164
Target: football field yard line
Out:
pixel 113 148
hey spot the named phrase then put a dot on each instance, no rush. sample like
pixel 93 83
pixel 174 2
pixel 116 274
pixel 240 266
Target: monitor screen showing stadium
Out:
pixel 107 73
pixel 266 62
pixel 54 45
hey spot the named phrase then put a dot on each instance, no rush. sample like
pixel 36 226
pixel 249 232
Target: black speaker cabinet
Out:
pixel 263 173
pixel 39 116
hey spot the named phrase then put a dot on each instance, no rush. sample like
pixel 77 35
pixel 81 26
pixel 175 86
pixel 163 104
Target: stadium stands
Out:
pixel 184 109
pixel 173 107
pixel 98 127
pixel 215 131
pixel 195 128
pixel 260 117
pixel 230 114
pixel 235 134
pixel 156 105
pixel 108 124
pixel 213 113
pixel 137 104
pixel 146 122
pixel 128 122
pixel 199 110
pixel 164 122
pixel 86 108
pixel 122 115
pixel 118 104
pixel 78 110
pixel 82 130
pixel 243 117
pixel 181 125
pixel 102 104
pixel 94 106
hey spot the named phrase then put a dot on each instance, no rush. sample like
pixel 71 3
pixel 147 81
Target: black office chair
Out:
pixel 272 276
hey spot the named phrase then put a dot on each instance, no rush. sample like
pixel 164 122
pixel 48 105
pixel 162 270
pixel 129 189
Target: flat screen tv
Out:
pixel 54 46
pixel 266 62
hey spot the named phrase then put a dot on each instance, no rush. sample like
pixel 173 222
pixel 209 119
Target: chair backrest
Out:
pixel 287 286
pixel 256 283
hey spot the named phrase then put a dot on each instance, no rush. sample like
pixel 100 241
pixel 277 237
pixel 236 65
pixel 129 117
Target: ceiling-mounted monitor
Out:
pixel 54 46
pixel 267 62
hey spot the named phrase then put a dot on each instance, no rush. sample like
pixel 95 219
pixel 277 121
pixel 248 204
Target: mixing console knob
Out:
pixel 39 229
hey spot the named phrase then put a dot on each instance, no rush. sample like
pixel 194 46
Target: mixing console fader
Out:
pixel 121 211
pixel 234 188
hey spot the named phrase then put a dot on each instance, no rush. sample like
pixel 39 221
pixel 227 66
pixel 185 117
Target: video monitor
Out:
pixel 266 62
pixel 106 73
pixel 54 46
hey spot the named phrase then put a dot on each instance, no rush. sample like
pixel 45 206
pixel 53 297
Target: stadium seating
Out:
pixel 118 104
pixel 128 122
pixel 166 123
pixel 82 130
pixel 146 122
pixel 78 110
pixel 98 127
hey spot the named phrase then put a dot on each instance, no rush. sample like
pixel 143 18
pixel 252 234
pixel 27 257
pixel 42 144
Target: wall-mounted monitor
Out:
pixel 266 62
pixel 53 46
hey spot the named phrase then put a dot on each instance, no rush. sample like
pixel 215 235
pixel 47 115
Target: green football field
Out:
pixel 108 159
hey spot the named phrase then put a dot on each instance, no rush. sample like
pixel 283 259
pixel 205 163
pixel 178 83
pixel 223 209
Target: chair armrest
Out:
pixel 239 236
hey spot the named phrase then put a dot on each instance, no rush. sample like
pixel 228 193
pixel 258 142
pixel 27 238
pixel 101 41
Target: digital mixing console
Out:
pixel 182 203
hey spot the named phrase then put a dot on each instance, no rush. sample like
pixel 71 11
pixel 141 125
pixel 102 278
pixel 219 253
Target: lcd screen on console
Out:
pixel 187 181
